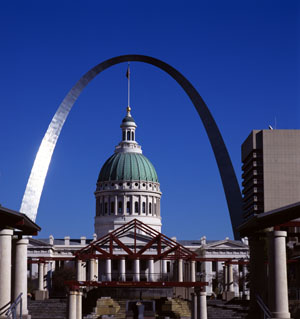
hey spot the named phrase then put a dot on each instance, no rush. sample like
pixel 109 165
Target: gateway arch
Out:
pixel 39 170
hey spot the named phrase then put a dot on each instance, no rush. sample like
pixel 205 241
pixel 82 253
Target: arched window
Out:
pixel 136 207
pixel 144 208
pixel 128 207
pixel 150 208
pixel 132 136
pixel 120 207
pixel 124 135
pixel 105 208
pixel 112 207
pixel 128 135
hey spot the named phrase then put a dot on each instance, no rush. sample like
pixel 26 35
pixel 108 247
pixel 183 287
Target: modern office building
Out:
pixel 271 170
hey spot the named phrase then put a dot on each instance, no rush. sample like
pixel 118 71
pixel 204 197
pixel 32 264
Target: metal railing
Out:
pixel 263 307
pixel 10 309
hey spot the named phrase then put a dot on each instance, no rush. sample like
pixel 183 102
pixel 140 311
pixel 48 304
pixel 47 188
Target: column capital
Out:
pixel 6 232
pixel 22 241
pixel 278 233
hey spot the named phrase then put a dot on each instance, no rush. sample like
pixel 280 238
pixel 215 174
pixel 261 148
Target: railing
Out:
pixel 143 276
pixel 11 311
pixel 263 307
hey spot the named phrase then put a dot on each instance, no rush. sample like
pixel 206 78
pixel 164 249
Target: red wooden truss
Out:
pixel 145 243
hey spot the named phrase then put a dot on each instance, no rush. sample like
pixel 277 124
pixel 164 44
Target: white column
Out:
pixel 72 304
pixel 78 270
pixel 208 276
pixel 108 269
pixel 83 270
pixel 92 269
pixel 230 278
pixel 78 305
pixel 236 288
pixel 41 276
pixel 201 305
pixel 45 276
pixel 96 269
pixel 5 266
pixel 124 205
pixel 278 274
pixel 136 270
pixel 151 269
pixel 116 205
pixel 245 295
pixel 21 273
pixel 122 266
pixel 193 271
pixel 180 270
pixel 164 269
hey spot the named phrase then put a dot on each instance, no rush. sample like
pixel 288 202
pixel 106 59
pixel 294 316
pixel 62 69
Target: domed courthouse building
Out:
pixel 128 245
pixel 127 187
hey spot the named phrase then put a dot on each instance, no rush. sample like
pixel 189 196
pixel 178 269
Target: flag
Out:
pixel 128 72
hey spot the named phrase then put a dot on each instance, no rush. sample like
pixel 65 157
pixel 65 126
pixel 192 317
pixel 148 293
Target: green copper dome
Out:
pixel 127 167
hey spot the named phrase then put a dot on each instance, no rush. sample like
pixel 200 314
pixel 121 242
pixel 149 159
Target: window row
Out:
pixel 109 208
pixel 128 136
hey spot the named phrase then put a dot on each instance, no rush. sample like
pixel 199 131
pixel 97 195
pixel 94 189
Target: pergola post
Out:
pixel 122 266
pixel 78 270
pixel 164 269
pixel 108 269
pixel 20 275
pixel 72 304
pixel 278 275
pixel 78 305
pixel 230 278
pixel 41 276
pixel 180 270
pixel 193 271
pixel 5 266
pixel 151 269
pixel 136 270
pixel 201 305
pixel 92 269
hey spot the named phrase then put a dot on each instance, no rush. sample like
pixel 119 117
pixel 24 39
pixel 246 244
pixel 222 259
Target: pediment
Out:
pixel 225 244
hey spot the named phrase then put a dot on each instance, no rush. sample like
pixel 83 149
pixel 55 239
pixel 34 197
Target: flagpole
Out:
pixel 128 77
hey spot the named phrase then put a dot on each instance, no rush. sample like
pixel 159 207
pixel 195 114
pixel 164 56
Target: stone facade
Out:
pixel 271 170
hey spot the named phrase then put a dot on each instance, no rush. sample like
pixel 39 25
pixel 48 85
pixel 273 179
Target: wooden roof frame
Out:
pixel 165 247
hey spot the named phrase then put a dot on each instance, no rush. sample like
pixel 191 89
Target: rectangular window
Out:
pixel 120 208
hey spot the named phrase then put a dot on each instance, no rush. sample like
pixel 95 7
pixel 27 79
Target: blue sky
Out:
pixel 241 56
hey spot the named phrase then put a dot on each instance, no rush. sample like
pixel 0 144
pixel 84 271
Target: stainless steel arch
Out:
pixel 39 170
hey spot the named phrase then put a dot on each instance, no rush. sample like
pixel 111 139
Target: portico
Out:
pixel 15 227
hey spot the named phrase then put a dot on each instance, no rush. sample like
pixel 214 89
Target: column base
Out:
pixel 228 295
pixel 281 315
pixel 41 294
